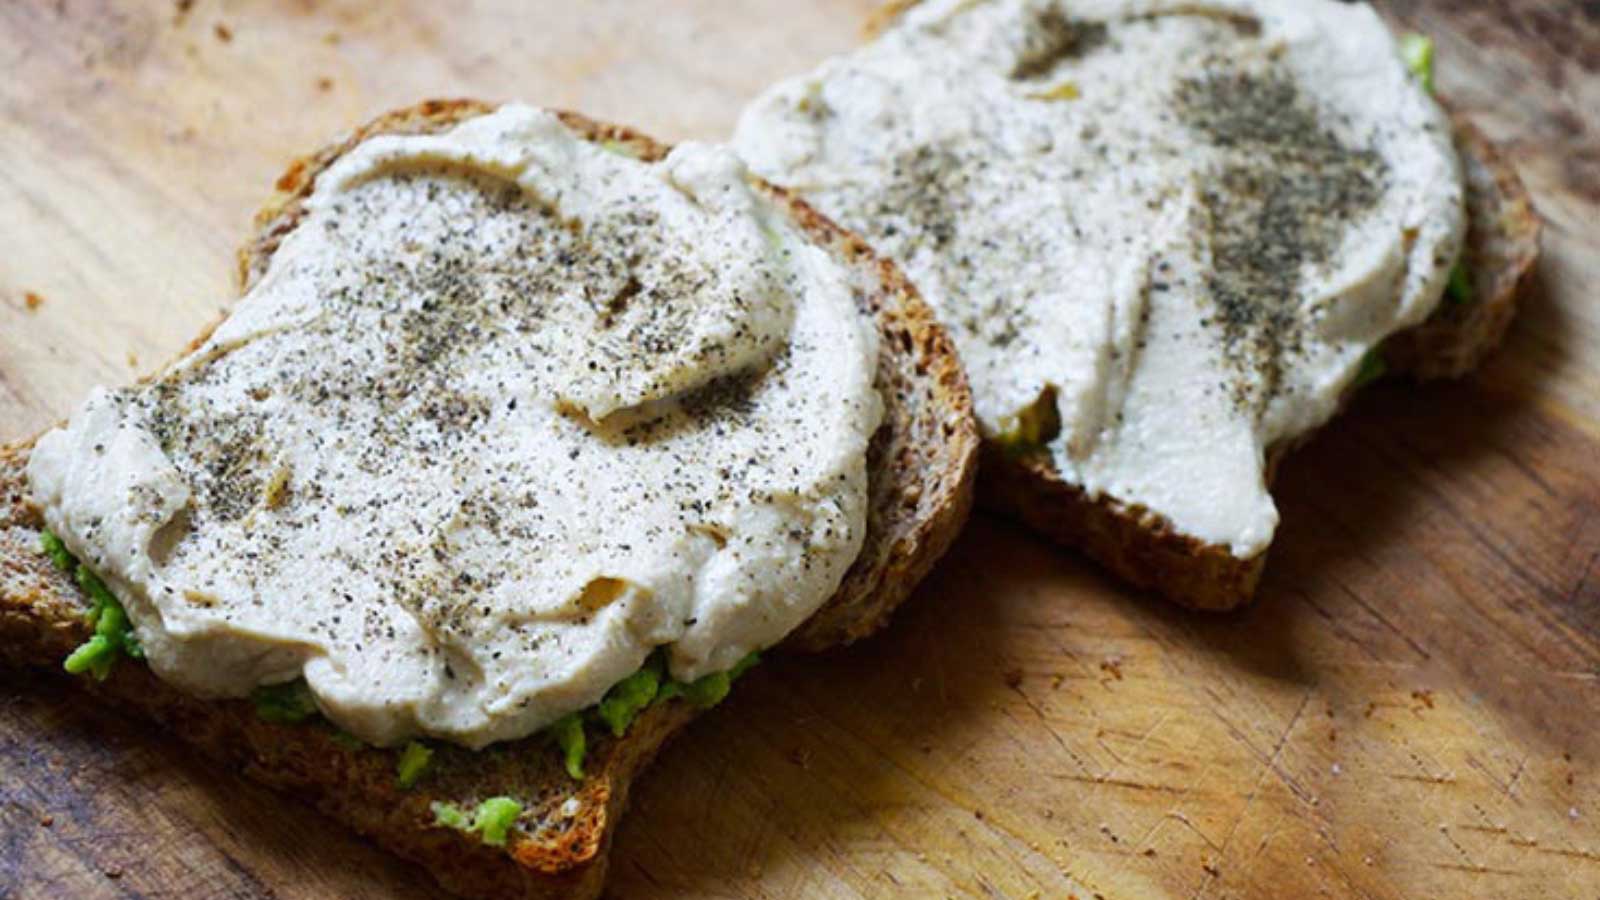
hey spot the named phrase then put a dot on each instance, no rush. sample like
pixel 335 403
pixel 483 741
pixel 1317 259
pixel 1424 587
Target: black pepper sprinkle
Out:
pixel 383 380
pixel 1285 196
pixel 1053 38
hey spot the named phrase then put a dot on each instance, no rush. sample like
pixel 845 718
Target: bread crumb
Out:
pixel 183 7
pixel 277 488
pixel 133 360
pixel 1112 666
pixel 223 32
pixel 331 38
pixel 32 301
pixel 290 179
pixel 324 84
pixel 46 821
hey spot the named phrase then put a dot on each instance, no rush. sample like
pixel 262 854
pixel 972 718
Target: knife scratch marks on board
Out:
pixel 1272 765
pixel 1586 855
pixel 1416 647
pixel 1271 761
pixel 1138 745
pixel 1583 579
pixel 1516 776
pixel 1125 783
pixel 1055 736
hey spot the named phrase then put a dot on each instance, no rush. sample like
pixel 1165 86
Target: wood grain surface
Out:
pixel 1412 709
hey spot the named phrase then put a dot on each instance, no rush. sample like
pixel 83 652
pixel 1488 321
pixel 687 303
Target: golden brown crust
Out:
pixel 1501 252
pixel 922 466
pixel 914 516
pixel 1137 545
pixel 1144 548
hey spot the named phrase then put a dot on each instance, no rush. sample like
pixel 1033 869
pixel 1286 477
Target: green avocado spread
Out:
pixel 113 635
pixel 494 817
pixel 292 702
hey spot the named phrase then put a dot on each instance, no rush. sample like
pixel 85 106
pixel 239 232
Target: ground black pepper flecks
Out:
pixel 1052 38
pixel 400 380
pixel 1286 194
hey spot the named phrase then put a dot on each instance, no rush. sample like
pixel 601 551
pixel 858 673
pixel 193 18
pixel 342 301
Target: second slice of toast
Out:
pixel 793 134
pixel 1142 547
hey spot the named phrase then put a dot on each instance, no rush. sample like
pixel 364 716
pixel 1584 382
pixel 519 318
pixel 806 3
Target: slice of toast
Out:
pixel 921 467
pixel 1143 547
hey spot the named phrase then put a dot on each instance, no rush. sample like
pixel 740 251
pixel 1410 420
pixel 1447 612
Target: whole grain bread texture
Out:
pixel 921 467
pixel 1142 547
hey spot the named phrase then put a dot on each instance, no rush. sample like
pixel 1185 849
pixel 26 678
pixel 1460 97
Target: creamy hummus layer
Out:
pixel 507 411
pixel 1163 234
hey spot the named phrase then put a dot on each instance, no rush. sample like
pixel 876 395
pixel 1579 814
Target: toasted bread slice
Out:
pixel 921 472
pixel 1143 548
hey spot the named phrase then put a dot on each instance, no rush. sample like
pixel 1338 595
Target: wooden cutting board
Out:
pixel 1411 710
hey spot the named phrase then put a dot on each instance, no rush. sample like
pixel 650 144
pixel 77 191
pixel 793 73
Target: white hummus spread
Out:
pixel 507 411
pixel 1177 226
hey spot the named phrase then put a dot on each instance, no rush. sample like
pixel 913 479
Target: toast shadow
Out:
pixel 815 757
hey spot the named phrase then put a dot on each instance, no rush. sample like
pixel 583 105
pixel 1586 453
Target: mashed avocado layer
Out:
pixel 113 636
pixel 292 702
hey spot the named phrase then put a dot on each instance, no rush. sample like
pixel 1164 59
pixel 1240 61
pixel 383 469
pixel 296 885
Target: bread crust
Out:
pixel 1145 549
pixel 922 466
